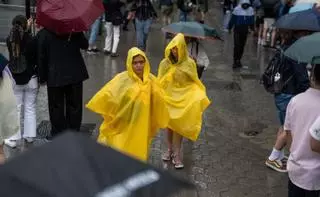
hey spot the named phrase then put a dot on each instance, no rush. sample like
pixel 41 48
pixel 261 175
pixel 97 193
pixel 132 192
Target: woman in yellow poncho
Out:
pixel 186 97
pixel 132 106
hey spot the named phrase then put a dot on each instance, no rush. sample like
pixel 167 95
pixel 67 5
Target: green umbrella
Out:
pixel 192 29
pixel 305 50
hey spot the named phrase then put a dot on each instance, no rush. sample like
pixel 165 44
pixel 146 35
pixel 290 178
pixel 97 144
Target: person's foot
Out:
pixel 29 139
pixel 11 143
pixel 276 165
pixel 167 156
pixel 237 65
pixel 92 51
pixel 176 161
pixel 114 55
pixel 106 52
pixel 96 50
pixel 48 138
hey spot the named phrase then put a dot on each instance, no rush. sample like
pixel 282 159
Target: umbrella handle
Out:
pixel 69 38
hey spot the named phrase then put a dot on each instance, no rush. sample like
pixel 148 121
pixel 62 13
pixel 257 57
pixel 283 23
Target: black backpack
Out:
pixel 273 76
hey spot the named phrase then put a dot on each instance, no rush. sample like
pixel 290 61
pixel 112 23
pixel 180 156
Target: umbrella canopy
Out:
pixel 192 29
pixel 305 50
pixel 65 16
pixel 75 165
pixel 269 3
pixel 308 20
pixel 300 7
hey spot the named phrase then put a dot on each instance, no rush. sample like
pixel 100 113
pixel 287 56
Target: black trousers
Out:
pixel 65 108
pixel 295 191
pixel 240 38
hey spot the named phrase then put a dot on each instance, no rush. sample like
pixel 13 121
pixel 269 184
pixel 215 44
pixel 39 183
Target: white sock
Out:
pixel 275 154
pixel 281 154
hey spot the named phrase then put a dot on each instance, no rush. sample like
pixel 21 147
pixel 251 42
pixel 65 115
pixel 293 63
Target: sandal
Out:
pixel 167 156
pixel 177 162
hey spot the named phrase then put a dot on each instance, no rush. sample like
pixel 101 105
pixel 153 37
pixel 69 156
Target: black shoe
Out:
pixel 90 51
pixel 114 55
pixel 96 50
pixel 237 65
pixel 107 52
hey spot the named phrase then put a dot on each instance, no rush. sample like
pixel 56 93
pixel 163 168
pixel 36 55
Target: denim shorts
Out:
pixel 282 101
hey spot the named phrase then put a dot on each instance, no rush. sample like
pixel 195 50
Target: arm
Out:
pixel 42 57
pixel 203 57
pixel 232 21
pixel 315 136
pixel 302 82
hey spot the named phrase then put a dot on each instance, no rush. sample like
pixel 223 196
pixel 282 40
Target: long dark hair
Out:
pixel 19 25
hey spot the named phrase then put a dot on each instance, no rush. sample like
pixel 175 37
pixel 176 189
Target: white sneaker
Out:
pixel 10 143
pixel 29 139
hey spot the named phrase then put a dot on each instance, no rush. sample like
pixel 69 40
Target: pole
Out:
pixel 28 8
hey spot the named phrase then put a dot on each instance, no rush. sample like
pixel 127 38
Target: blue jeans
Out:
pixel 282 101
pixel 184 16
pixel 142 30
pixel 94 31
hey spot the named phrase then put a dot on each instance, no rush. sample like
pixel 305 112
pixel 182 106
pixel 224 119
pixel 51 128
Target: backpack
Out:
pixel 16 45
pixel 272 78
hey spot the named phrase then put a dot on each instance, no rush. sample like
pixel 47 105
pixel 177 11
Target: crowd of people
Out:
pixel 135 104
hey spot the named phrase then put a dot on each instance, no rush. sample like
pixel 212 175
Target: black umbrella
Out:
pixel 75 166
pixel 269 3
pixel 308 20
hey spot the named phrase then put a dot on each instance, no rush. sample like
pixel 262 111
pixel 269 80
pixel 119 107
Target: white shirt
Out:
pixel 202 57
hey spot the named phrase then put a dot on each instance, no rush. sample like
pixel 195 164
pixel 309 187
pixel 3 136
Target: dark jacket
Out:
pixel 28 49
pixel 60 61
pixel 113 11
pixel 183 5
pixel 144 9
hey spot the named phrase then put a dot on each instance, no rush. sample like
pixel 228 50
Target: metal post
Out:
pixel 28 8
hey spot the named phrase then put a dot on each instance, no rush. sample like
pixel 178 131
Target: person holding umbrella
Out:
pixel 242 19
pixel 186 97
pixel 63 70
pixel 60 62
pixel 133 108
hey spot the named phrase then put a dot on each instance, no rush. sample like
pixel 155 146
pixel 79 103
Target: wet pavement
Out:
pixel 224 162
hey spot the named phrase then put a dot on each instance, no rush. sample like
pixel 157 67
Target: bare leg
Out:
pixel 168 154
pixel 170 139
pixel 281 141
pixel 2 156
pixel 177 151
pixel 273 38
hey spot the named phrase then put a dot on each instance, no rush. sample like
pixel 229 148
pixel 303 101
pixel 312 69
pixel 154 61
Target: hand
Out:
pixel 30 22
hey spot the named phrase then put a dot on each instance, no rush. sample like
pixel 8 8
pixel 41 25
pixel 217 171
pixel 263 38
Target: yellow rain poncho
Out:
pixel 133 110
pixel 186 95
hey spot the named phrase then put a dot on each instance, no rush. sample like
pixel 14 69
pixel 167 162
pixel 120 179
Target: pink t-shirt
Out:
pixel 303 164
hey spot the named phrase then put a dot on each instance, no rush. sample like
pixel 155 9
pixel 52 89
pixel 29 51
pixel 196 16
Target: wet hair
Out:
pixel 316 74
